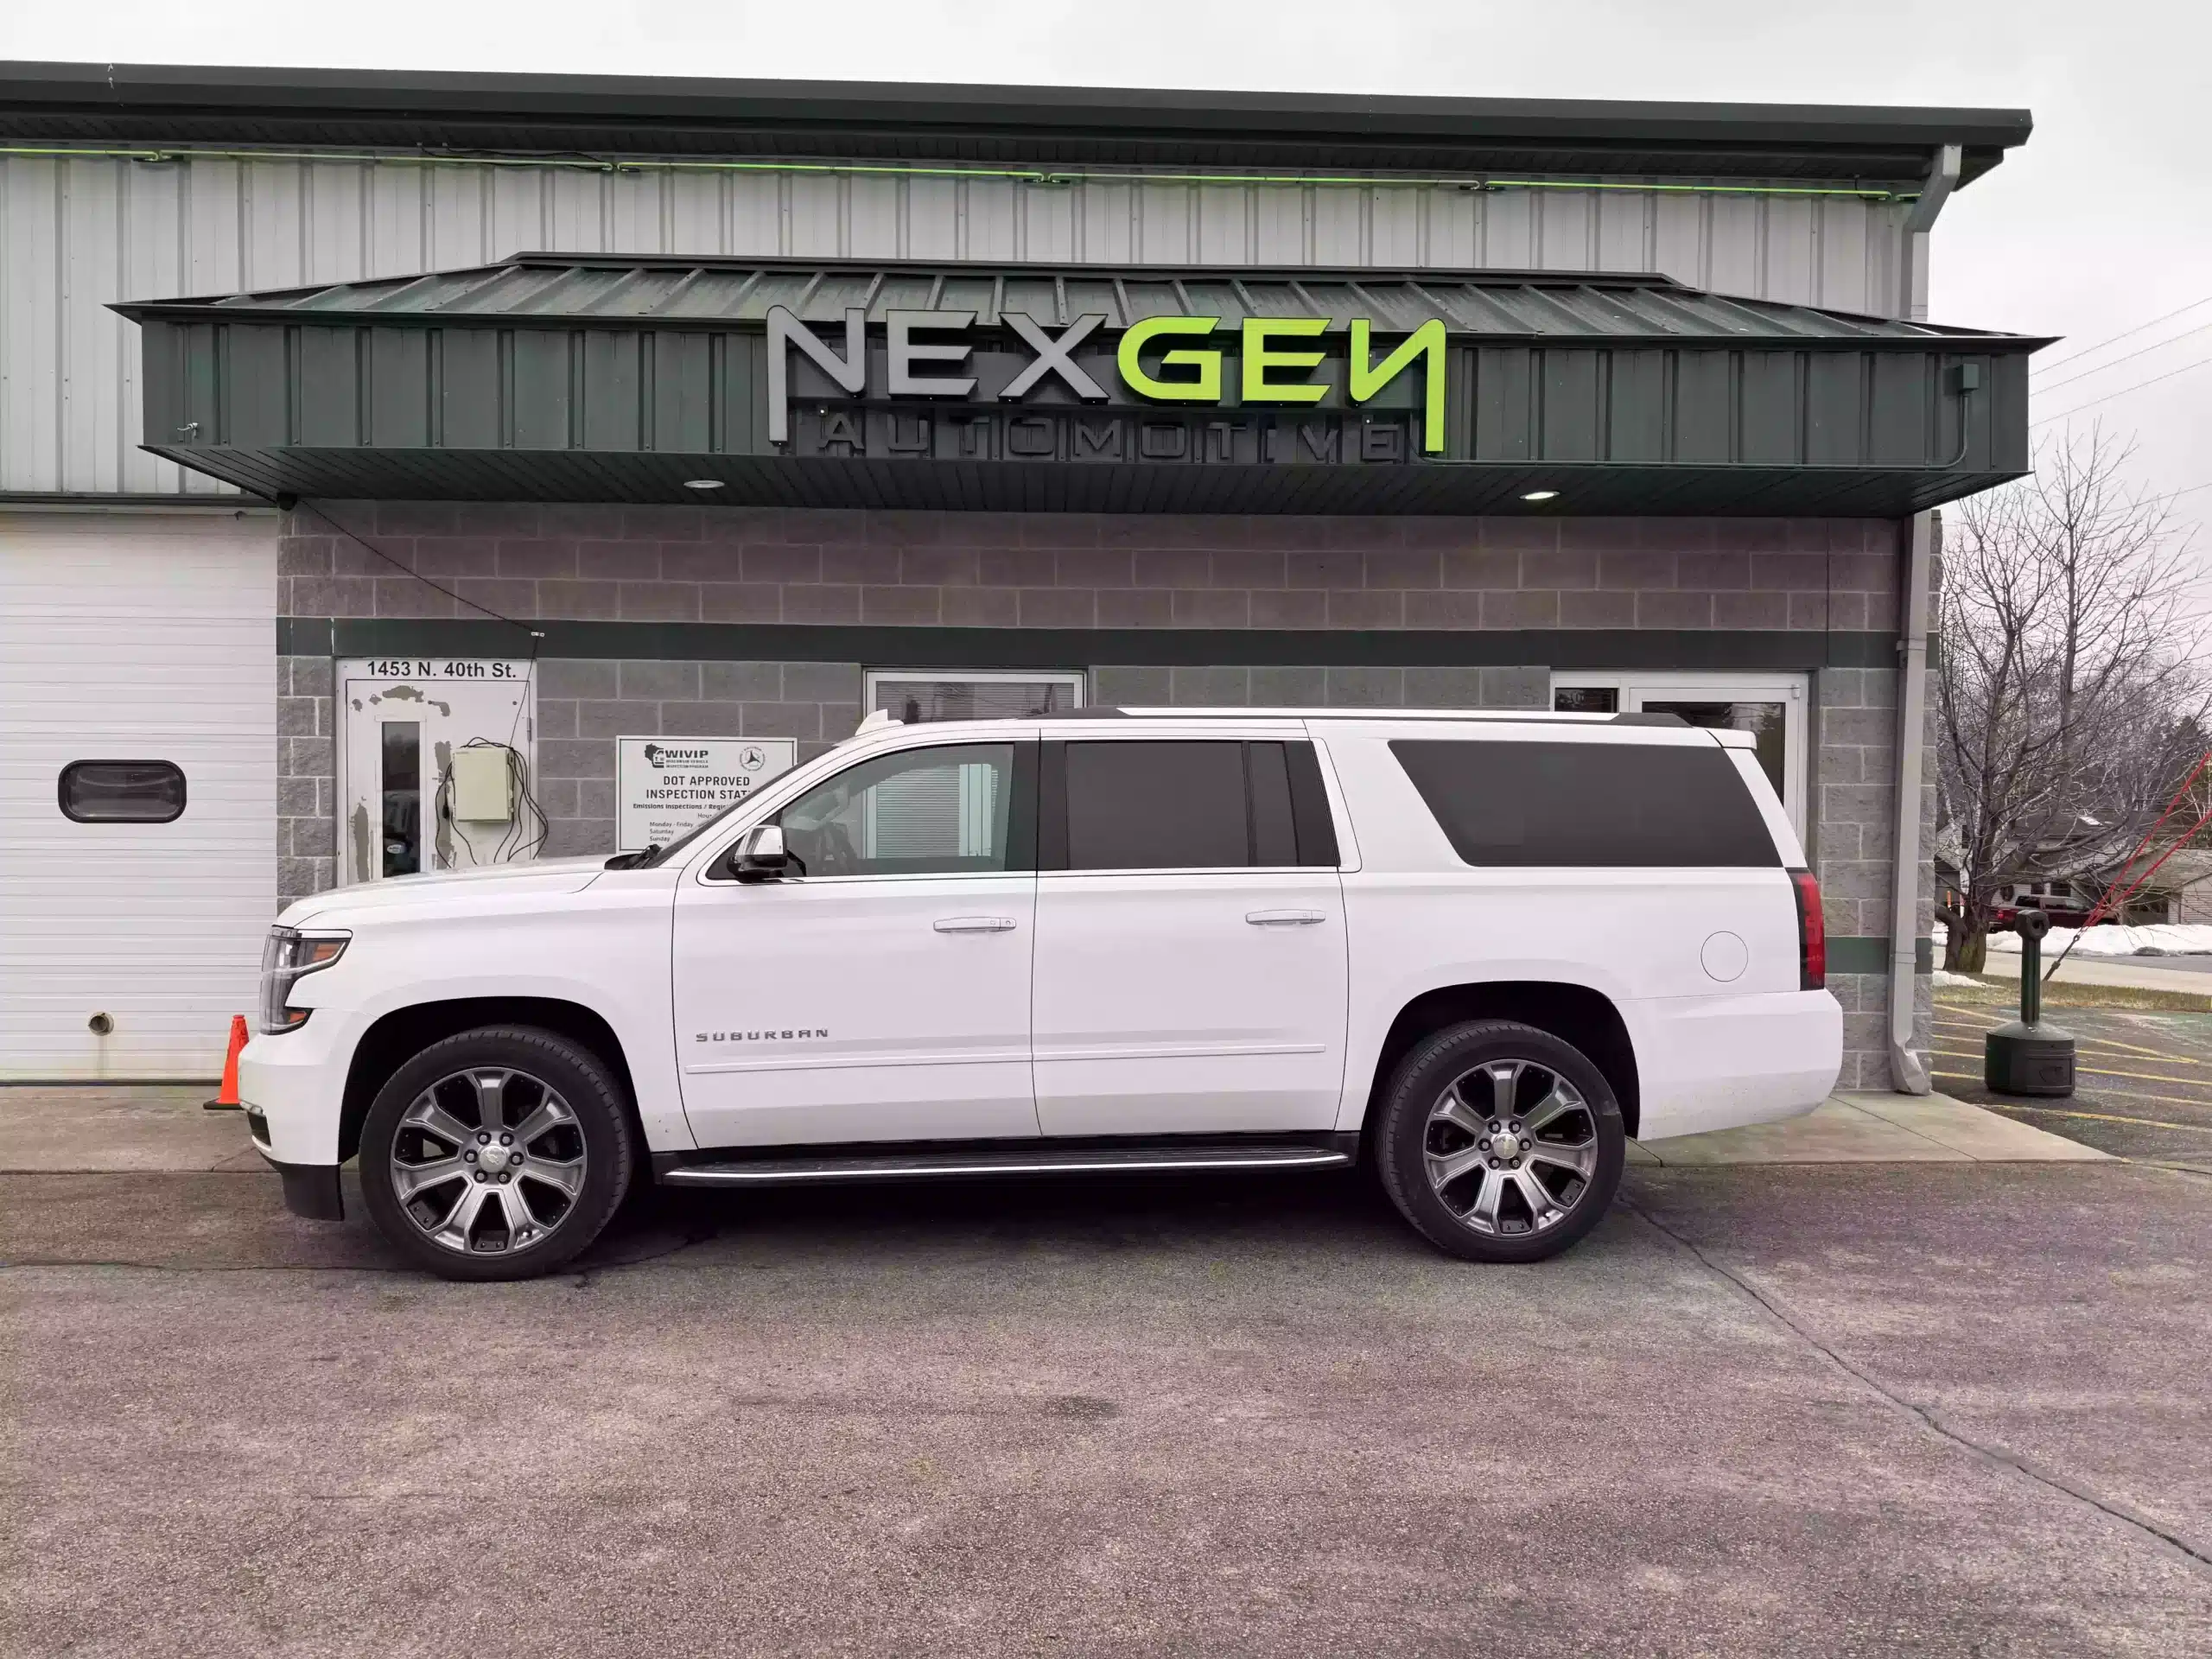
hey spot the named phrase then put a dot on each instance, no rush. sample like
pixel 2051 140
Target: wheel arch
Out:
pixel 1574 1014
pixel 397 1036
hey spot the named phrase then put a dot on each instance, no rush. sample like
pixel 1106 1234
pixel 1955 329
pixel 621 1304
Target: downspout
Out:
pixel 1906 1068
pixel 1943 178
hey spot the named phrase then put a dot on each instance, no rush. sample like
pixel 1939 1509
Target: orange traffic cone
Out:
pixel 227 1099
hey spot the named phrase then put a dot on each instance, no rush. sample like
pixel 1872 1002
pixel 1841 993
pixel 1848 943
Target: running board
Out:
pixel 1121 1160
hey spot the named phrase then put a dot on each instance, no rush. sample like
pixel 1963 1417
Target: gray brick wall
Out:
pixel 307 777
pixel 1301 687
pixel 1081 570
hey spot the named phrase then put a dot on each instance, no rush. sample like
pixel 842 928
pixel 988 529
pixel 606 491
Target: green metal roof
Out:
pixel 690 293
pixel 626 379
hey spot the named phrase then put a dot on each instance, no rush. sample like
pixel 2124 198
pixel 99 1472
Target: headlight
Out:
pixel 289 954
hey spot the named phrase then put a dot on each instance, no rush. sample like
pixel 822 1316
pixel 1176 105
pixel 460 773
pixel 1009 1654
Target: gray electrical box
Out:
pixel 483 789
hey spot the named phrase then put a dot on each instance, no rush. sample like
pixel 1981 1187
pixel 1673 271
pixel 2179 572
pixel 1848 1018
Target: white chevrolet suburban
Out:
pixel 1475 950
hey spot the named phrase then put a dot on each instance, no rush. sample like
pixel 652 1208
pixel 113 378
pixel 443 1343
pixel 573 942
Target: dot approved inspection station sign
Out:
pixel 666 785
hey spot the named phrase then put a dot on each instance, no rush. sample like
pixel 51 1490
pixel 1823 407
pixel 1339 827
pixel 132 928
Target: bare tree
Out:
pixel 2071 694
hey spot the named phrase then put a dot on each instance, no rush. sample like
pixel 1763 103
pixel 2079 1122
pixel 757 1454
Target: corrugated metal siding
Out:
pixel 76 235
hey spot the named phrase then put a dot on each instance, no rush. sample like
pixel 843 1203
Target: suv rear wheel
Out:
pixel 497 1154
pixel 1500 1142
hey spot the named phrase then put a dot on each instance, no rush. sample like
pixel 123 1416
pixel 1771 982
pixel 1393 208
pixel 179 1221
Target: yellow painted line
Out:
pixel 2101 1042
pixel 2102 1117
pixel 2092 1070
pixel 2090 1042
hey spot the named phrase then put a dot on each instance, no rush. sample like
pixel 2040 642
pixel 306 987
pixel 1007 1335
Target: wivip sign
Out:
pixel 664 786
pixel 1167 388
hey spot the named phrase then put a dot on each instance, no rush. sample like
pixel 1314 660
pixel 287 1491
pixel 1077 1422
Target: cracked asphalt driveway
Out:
pixel 1936 1409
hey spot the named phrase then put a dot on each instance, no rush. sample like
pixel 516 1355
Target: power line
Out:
pixel 2127 334
pixel 2122 392
pixel 2141 352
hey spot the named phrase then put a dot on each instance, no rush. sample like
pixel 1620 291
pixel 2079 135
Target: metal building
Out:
pixel 536 413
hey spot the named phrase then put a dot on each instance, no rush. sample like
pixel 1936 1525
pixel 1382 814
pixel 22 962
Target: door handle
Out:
pixel 974 925
pixel 1284 917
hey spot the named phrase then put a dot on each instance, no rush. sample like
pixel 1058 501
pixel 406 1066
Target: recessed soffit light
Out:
pixel 1541 495
pixel 702 483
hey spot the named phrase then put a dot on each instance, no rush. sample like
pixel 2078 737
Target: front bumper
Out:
pixel 293 1087
pixel 295 1083
pixel 311 1191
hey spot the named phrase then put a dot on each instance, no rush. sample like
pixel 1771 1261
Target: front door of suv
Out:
pixel 1191 951
pixel 881 991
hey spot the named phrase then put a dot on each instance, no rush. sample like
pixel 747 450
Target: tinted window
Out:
pixel 919 812
pixel 1156 806
pixel 1266 780
pixel 1588 803
pixel 121 791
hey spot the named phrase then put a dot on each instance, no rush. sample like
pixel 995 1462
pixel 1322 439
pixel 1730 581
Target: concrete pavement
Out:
pixel 1943 1406
pixel 1939 1408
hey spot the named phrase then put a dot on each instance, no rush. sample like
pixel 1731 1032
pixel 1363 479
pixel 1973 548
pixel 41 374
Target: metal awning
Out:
pixel 632 378
pixel 608 117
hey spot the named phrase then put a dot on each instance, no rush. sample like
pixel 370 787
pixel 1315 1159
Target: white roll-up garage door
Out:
pixel 144 637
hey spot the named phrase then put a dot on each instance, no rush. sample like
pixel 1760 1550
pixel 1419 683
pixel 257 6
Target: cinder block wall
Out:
pixel 1554 585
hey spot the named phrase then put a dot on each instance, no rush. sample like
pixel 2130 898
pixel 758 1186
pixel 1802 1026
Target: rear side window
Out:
pixel 1634 805
pixel 1183 805
pixel 121 791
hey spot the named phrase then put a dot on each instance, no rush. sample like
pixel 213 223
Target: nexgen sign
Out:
pixel 1162 359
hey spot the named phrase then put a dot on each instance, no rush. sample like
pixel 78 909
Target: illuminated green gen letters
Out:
pixel 1260 357
pixel 1205 388
pixel 1369 377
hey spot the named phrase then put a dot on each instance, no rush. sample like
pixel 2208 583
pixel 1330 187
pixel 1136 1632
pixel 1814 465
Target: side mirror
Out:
pixel 760 855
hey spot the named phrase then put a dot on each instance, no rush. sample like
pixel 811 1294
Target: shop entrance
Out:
pixel 437 766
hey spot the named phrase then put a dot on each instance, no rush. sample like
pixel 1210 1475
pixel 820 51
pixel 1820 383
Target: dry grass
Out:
pixel 1993 992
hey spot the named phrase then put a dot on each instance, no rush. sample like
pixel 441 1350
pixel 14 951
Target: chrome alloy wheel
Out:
pixel 1511 1147
pixel 488 1161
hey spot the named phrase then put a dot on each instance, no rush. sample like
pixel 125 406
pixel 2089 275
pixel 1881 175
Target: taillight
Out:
pixel 1812 932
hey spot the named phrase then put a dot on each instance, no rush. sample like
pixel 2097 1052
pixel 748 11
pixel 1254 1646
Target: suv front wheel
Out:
pixel 1500 1142
pixel 496 1153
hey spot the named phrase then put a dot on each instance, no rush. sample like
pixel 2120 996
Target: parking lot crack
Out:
pixel 2003 1457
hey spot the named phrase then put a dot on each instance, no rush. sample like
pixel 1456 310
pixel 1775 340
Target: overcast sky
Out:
pixel 2102 223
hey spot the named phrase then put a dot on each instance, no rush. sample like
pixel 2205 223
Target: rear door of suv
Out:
pixel 1191 958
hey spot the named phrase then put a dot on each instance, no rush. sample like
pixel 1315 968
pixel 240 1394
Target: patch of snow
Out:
pixel 1943 979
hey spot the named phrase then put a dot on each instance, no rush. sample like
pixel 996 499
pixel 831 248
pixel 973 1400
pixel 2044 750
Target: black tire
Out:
pixel 596 1129
pixel 1409 1146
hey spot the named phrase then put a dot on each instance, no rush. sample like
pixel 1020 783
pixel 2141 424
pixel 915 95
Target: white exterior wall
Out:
pixel 76 235
pixel 135 635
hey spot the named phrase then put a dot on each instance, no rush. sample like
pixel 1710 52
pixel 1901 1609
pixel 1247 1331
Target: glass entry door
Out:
pixel 435 765
pixel 1772 707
